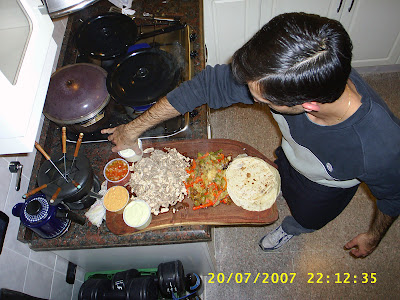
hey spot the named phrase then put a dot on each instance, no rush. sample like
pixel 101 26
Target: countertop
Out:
pixel 89 236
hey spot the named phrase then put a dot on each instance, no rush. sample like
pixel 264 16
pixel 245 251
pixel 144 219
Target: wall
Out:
pixel 39 274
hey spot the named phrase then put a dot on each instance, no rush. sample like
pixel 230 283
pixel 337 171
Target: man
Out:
pixel 337 132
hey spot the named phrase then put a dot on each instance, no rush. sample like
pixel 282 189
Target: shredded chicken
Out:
pixel 159 179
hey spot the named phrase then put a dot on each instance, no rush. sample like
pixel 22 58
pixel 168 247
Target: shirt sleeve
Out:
pixel 382 165
pixel 214 86
pixel 386 190
pixel 379 133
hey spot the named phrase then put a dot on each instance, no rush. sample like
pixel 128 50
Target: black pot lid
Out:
pixel 142 77
pixel 76 94
pixel 81 173
pixel 106 36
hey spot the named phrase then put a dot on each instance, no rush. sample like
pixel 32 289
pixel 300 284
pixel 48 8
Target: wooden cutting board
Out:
pixel 220 215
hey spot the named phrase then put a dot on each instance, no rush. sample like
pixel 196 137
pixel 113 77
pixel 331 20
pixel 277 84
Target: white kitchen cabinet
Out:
pixel 225 27
pixel 228 24
pixel 374 26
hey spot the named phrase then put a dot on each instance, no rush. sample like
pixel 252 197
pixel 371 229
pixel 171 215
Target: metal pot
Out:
pixel 77 95
pixel 109 35
pixel 81 174
pixel 61 8
pixel 46 220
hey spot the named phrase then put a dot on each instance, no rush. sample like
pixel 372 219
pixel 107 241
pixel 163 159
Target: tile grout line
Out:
pixel 26 272
pixel 52 279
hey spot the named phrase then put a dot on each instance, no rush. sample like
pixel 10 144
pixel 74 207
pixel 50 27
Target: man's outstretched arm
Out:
pixel 125 136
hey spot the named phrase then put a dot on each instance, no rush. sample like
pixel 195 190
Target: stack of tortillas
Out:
pixel 252 183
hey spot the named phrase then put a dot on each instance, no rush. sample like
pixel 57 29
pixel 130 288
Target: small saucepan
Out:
pixel 109 35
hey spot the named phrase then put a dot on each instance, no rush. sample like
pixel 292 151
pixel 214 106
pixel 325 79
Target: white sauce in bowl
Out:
pixel 137 214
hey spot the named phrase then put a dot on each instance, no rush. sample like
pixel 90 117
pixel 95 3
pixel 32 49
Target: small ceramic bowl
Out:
pixel 137 214
pixel 116 199
pixel 130 155
pixel 117 171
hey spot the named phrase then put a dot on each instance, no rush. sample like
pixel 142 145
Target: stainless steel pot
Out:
pixel 61 8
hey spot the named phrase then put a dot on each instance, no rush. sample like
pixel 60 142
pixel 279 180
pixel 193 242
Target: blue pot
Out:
pixel 41 217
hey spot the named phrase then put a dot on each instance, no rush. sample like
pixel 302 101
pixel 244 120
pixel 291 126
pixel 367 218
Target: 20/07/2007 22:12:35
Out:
pixel 318 278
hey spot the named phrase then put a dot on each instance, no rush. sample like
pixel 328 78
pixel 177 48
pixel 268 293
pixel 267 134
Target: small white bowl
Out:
pixel 130 155
pixel 137 214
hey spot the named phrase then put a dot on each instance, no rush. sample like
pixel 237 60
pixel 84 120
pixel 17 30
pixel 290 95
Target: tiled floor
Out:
pixel 320 253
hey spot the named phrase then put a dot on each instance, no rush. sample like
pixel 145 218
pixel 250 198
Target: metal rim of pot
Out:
pixel 61 8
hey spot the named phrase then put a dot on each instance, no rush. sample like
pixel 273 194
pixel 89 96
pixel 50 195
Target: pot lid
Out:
pixel 76 94
pixel 81 173
pixel 106 36
pixel 142 77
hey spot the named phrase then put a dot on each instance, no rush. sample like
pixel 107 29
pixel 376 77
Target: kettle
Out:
pixel 46 220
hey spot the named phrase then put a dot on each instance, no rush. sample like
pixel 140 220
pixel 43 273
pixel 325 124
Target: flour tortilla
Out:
pixel 252 183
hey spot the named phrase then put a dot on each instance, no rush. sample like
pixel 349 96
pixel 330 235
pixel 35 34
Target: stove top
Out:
pixel 177 43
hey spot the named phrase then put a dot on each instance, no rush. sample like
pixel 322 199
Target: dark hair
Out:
pixel 296 58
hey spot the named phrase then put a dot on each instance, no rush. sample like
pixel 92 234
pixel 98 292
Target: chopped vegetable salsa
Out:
pixel 116 170
pixel 206 184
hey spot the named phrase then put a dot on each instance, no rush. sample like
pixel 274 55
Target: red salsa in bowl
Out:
pixel 117 171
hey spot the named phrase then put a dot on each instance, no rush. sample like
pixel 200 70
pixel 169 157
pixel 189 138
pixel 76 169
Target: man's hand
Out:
pixel 365 243
pixel 121 138
pixel 362 245
pixel 125 136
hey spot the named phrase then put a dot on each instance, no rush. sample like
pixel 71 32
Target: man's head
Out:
pixel 296 58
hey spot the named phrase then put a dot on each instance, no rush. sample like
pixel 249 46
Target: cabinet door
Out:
pixel 226 27
pixel 228 24
pixel 326 8
pixel 374 27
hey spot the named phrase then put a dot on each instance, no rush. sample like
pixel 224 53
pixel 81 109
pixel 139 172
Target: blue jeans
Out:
pixel 290 226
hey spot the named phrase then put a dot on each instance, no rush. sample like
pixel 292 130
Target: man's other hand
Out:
pixel 362 245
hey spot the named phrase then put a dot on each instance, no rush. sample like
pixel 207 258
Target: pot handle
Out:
pixel 16 211
pixel 64 213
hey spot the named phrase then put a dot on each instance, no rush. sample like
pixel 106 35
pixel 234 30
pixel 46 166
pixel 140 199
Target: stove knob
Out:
pixel 192 37
pixel 193 54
